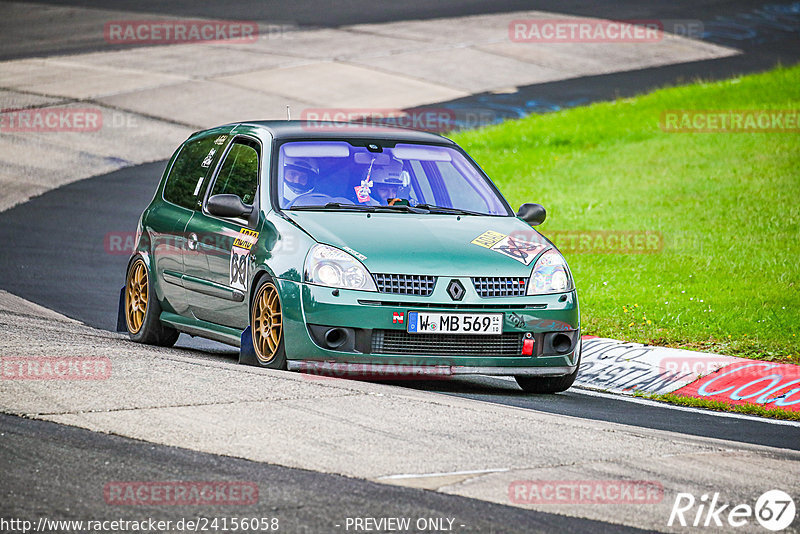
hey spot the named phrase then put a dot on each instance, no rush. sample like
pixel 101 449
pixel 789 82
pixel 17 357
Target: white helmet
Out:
pixel 293 190
pixel 391 174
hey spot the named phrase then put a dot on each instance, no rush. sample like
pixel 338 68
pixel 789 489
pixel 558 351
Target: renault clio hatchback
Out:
pixel 324 246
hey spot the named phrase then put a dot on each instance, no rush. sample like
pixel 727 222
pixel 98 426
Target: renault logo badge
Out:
pixel 456 290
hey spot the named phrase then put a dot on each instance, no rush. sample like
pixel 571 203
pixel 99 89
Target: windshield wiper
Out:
pixel 360 207
pixel 335 206
pixel 401 207
pixel 442 209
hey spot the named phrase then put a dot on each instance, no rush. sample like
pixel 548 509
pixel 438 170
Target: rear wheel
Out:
pixel 142 309
pixel 547 384
pixel 266 326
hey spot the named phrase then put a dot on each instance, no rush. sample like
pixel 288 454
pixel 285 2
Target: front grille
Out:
pixel 451 306
pixel 496 286
pixel 405 284
pixel 400 342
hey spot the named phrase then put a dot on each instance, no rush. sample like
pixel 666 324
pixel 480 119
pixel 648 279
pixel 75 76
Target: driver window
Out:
pixel 239 173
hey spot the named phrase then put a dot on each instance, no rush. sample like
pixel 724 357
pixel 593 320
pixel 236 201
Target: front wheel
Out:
pixel 548 384
pixel 266 326
pixel 142 309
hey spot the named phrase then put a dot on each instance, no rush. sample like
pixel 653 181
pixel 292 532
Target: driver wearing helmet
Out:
pixel 299 178
pixel 386 183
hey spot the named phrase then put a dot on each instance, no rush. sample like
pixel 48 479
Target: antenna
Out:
pixel 288 113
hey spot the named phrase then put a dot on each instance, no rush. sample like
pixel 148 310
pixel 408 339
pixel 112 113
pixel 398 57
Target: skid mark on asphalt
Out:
pixel 195 405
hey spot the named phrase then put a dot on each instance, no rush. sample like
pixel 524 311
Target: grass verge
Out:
pixel 724 206
pixel 748 409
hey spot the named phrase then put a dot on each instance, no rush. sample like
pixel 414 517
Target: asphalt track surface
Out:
pixel 60 472
pixel 46 33
pixel 767 32
pixel 58 252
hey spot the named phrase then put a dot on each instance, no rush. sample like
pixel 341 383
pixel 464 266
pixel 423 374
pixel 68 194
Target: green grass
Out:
pixel 748 409
pixel 727 205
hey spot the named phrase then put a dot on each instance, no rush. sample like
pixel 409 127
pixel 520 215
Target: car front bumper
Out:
pixel 388 370
pixel 309 311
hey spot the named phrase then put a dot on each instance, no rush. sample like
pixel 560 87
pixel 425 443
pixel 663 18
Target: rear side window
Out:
pixel 184 185
pixel 239 173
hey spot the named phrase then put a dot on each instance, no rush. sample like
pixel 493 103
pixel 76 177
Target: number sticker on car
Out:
pixel 455 323
pixel 240 251
pixel 238 271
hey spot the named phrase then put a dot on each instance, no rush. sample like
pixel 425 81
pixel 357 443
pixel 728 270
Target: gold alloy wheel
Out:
pixel 267 323
pixel 136 293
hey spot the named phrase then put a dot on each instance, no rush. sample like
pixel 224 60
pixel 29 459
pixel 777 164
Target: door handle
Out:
pixel 192 241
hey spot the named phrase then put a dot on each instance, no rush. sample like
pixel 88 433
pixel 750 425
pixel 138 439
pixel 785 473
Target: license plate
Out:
pixel 455 323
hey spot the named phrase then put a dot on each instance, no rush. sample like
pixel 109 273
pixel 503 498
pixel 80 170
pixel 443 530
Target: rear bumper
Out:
pixel 370 316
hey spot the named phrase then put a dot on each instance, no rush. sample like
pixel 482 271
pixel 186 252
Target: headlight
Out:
pixel 329 266
pixel 550 275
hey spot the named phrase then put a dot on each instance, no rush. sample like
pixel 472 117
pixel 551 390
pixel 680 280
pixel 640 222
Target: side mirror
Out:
pixel 228 206
pixel 533 214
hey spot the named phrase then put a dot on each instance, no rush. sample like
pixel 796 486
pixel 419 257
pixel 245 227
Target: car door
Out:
pixel 183 193
pixel 216 278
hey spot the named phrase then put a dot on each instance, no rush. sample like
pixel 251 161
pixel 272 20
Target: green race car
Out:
pixel 328 248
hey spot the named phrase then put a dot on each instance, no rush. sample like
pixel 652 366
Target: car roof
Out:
pixel 342 130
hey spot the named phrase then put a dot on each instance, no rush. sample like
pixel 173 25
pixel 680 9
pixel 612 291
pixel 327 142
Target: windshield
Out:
pixel 406 177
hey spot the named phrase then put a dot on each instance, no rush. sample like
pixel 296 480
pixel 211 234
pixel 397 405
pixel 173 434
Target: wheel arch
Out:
pixel 136 255
pixel 148 265
pixel 262 272
pixel 153 279
pixel 247 352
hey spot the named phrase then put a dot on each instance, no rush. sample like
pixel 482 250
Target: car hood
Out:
pixel 402 243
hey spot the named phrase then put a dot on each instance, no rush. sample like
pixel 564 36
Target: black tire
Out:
pixel 269 350
pixel 548 384
pixel 145 326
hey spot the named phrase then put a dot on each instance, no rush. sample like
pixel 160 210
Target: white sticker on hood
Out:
pixel 519 249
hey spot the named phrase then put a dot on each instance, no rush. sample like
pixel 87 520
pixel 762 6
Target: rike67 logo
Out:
pixel 774 510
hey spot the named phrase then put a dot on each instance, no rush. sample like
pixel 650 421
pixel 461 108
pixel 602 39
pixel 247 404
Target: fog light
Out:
pixel 562 343
pixel 335 337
